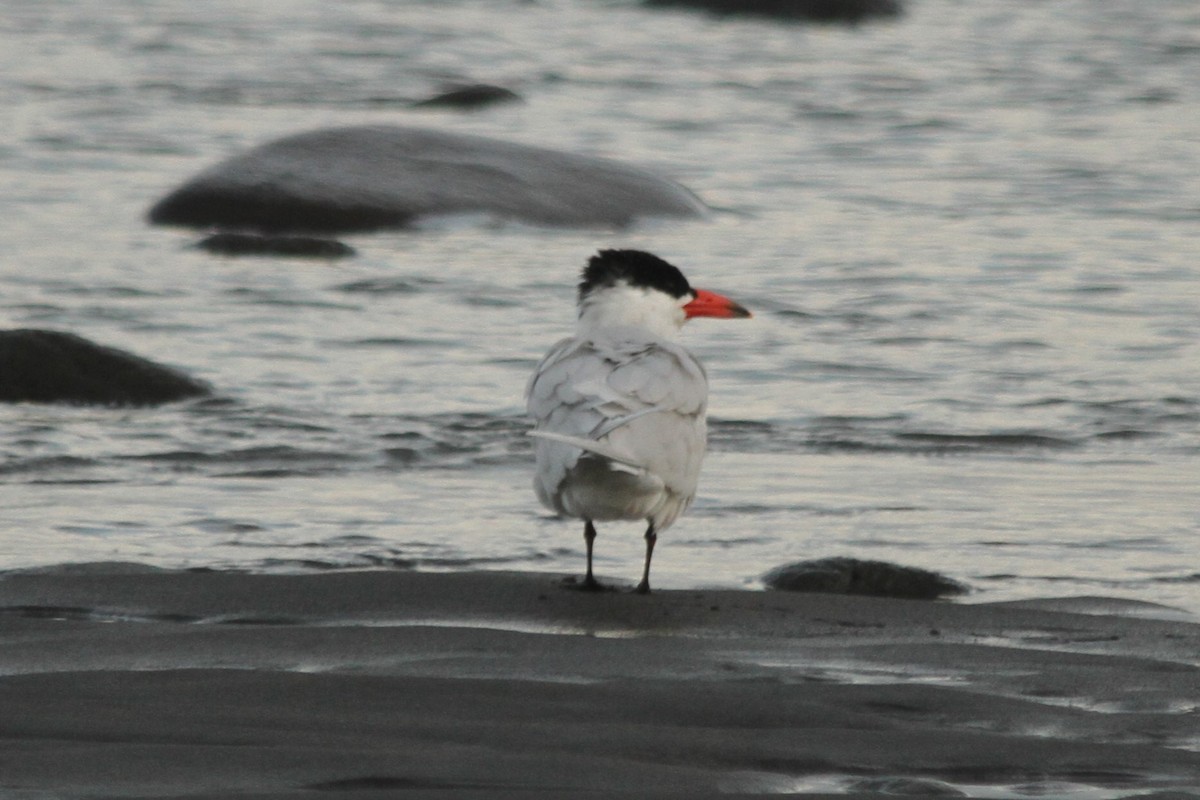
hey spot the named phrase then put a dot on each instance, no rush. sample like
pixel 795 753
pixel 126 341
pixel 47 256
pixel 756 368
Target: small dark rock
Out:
pixel 39 366
pixel 849 11
pixel 477 95
pixel 854 576
pixel 253 244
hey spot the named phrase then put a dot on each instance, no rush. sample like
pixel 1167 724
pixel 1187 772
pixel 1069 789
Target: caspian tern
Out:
pixel 619 408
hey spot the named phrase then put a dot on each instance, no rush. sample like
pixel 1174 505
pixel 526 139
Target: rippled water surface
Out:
pixel 970 237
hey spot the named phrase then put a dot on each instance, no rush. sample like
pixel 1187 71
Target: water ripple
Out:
pixel 229 439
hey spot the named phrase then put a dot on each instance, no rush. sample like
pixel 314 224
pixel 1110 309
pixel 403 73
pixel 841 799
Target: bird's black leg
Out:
pixel 651 538
pixel 589 536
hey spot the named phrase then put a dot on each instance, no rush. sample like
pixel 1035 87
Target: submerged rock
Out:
pixel 378 176
pixel 811 10
pixel 253 244
pixel 840 575
pixel 476 95
pixel 39 366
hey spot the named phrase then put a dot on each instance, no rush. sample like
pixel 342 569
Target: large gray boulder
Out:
pixel 370 177
pixel 39 366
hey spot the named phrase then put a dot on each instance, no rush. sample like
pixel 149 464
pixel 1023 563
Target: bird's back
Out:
pixel 642 401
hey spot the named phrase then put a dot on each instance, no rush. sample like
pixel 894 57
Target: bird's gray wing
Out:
pixel 597 446
pixel 641 403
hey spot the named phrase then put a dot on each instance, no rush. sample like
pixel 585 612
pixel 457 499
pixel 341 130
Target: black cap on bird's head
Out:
pixel 634 268
pixel 610 270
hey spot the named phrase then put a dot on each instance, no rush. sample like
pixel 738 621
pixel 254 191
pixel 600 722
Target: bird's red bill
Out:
pixel 711 304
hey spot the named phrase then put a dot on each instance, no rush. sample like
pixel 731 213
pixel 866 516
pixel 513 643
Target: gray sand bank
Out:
pixel 121 681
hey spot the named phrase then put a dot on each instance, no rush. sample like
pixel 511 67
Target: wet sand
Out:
pixel 124 681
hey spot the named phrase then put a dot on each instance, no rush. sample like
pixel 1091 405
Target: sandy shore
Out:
pixel 122 681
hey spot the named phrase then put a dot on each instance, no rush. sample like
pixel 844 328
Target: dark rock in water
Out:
pixel 253 244
pixel 38 366
pixel 476 95
pixel 810 10
pixel 371 177
pixel 854 576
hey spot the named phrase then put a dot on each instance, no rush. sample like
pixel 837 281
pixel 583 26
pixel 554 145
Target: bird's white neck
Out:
pixel 623 306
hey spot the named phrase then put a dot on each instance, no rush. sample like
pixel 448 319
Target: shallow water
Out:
pixel 969 237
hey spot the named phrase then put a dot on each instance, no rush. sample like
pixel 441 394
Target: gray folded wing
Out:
pixel 639 404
